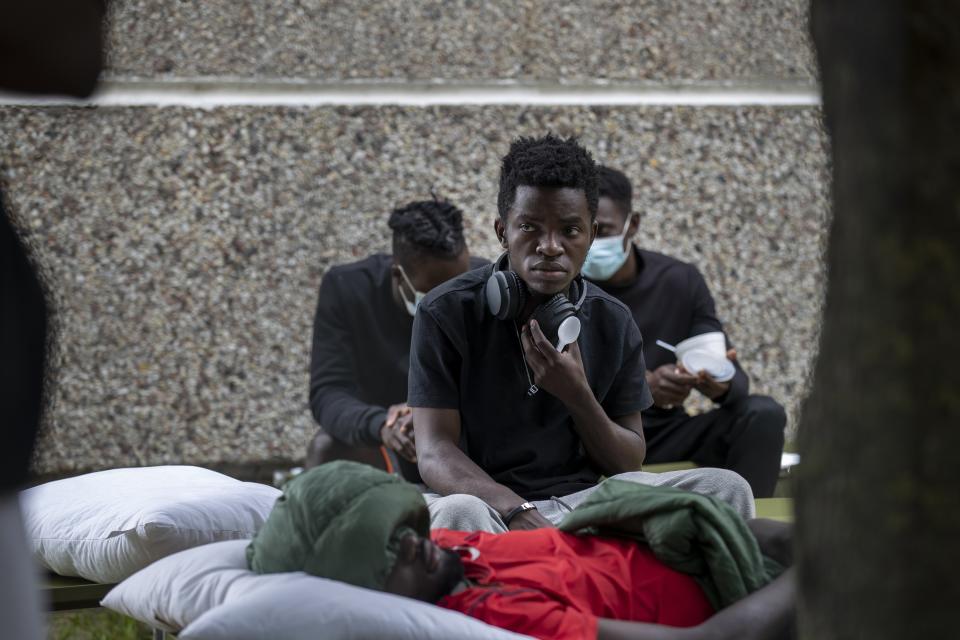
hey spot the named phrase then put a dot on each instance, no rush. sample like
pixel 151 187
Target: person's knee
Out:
pixel 722 484
pixel 768 410
pixel 730 481
pixel 463 512
pixel 725 485
pixel 766 418
pixel 739 493
pixel 325 448
pixel 320 449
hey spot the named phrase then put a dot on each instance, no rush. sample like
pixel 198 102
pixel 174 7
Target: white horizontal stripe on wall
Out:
pixel 226 93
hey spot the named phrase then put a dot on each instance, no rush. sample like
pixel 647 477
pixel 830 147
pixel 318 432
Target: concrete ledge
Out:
pixel 222 92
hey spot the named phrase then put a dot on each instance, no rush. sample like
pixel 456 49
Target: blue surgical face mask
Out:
pixel 606 256
pixel 417 295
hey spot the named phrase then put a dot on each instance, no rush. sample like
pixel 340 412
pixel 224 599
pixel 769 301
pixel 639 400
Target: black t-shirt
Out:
pixel 670 301
pixel 463 358
pixel 361 350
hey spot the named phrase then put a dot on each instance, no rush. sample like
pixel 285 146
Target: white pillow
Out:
pixel 209 591
pixel 107 525
pixel 307 608
pixel 172 592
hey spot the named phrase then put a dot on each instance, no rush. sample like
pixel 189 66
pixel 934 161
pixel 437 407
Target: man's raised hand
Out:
pixel 558 373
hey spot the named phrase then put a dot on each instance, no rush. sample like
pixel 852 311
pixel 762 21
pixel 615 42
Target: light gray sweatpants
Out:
pixel 462 512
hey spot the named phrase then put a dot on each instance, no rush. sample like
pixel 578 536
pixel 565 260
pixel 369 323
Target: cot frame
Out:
pixel 64 593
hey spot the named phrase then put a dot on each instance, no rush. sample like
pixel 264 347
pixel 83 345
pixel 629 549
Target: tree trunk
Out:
pixel 878 492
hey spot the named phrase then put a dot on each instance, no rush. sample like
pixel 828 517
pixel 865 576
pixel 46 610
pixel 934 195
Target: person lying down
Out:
pixel 353 523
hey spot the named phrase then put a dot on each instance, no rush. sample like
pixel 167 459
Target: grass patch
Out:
pixel 95 624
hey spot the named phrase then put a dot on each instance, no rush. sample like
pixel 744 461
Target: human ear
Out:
pixel 634 224
pixel 501 231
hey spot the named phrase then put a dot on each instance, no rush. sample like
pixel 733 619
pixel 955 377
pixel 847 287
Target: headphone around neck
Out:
pixel 506 295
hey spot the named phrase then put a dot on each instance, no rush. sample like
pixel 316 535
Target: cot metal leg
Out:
pixel 159 634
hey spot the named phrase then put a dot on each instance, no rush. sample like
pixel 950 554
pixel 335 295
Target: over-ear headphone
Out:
pixel 506 295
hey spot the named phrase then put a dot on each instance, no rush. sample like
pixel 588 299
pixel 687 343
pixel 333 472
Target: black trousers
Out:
pixel 745 436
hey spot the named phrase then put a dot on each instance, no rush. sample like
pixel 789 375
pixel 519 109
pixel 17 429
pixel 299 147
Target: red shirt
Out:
pixel 550 584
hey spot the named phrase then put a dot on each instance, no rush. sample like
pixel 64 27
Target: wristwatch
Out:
pixel 521 508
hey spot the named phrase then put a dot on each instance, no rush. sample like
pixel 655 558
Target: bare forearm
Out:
pixel 767 614
pixel 608 629
pixel 612 448
pixel 447 470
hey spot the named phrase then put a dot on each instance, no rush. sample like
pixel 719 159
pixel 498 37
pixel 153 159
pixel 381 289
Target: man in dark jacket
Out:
pixel 670 301
pixel 361 338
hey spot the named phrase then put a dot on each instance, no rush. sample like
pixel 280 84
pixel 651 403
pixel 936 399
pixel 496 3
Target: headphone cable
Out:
pixel 532 390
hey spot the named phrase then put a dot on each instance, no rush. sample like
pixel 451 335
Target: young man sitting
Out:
pixel 670 301
pixel 361 338
pixel 511 432
pixel 352 523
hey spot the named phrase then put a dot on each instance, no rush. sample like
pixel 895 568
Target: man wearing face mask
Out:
pixel 361 338
pixel 670 301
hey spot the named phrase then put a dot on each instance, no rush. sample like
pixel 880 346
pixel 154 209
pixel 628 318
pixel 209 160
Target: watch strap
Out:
pixel 517 510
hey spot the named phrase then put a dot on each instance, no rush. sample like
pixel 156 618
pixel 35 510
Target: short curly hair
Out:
pixel 549 161
pixel 614 184
pixel 427 228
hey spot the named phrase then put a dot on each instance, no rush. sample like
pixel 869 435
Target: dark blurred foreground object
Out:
pixel 879 490
pixel 23 324
pixel 46 46
pixel 53 47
